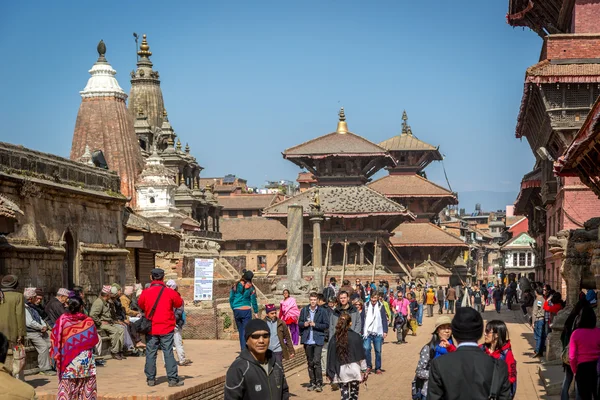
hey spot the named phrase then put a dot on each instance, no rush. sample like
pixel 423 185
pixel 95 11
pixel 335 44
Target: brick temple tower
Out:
pixel 103 123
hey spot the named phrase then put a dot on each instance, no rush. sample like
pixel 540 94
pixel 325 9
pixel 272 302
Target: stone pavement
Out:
pixel 125 379
pixel 399 363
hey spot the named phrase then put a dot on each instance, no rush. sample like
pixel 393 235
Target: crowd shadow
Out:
pixel 38 382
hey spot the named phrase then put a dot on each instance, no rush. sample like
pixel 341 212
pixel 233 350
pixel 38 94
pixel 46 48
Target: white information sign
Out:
pixel 203 278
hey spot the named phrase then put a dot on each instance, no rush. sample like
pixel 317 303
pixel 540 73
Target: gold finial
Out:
pixel 187 148
pixel 342 126
pixel 144 48
pixel 170 141
pixel 165 114
pixel 178 144
pixel 405 126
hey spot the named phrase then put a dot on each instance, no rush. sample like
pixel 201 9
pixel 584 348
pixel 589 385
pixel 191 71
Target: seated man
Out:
pixel 12 388
pixel 56 306
pixel 102 315
pixel 37 331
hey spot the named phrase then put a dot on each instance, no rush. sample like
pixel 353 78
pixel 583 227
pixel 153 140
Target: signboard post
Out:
pixel 203 278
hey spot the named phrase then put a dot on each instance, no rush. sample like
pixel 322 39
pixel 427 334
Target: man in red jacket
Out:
pixel 163 326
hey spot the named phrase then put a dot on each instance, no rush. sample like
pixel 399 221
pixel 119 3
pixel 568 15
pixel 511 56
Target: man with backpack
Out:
pixel 242 299
pixel 158 303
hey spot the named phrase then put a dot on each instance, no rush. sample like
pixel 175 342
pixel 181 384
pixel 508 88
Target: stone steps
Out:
pixel 552 377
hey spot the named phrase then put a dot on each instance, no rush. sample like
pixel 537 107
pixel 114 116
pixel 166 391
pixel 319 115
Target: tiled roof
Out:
pixel 8 208
pixel 423 234
pixel 254 228
pixel 335 143
pixel 547 72
pixel 247 201
pixel 439 269
pixel 342 201
pixel 409 186
pixel 138 223
pixel 306 177
pixel 405 141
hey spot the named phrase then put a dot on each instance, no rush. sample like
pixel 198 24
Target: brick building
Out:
pixel 558 94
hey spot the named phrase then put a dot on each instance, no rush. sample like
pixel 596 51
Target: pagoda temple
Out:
pixel 406 183
pixel 103 123
pixel 559 92
pixel 358 219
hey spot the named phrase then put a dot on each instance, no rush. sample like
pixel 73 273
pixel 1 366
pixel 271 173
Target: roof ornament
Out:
pixel 315 204
pixel 405 127
pixel 140 112
pixel 342 126
pixel 165 114
pixel 187 148
pixel 144 48
pixel 101 51
pixel 178 144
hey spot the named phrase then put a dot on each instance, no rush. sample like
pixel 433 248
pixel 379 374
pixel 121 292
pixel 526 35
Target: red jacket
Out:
pixel 163 320
pixel 554 308
pixel 507 355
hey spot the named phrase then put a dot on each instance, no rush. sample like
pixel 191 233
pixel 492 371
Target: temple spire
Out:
pixel 405 127
pixel 342 126
pixel 144 50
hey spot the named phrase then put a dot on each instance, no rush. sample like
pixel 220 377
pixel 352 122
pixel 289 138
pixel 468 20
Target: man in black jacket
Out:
pixel 255 375
pixel 467 373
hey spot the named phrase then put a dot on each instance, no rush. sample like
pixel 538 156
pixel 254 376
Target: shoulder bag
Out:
pixel 144 324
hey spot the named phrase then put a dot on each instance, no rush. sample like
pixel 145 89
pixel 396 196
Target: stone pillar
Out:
pixel 361 254
pixel 344 261
pixel 295 240
pixel 317 257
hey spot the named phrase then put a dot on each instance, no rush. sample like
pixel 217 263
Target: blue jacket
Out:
pixel 321 325
pixel 243 297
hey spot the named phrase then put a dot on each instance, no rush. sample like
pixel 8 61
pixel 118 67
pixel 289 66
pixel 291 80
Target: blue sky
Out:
pixel 244 80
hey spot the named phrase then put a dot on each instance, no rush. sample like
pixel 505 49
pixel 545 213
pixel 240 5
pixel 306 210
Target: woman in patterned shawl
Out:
pixel 289 313
pixel 73 338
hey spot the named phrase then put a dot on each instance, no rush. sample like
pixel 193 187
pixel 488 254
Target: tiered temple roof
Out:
pixel 253 228
pixel 419 234
pixel 541 16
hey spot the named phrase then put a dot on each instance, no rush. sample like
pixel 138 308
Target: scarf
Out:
pixel 289 311
pixel 373 324
pixel 72 334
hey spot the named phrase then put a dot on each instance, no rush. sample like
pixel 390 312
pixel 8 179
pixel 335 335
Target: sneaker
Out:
pixel 311 387
pixel 319 388
pixel 175 383
pixel 185 363
pixel 48 372
pixel 151 383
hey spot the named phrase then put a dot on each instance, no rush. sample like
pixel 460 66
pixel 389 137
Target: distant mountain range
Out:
pixel 489 200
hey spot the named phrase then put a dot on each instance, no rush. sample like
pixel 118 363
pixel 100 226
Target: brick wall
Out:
pixel 586 15
pixel 568 46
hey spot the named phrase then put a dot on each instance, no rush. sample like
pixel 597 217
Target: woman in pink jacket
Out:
pixel 584 352
pixel 289 313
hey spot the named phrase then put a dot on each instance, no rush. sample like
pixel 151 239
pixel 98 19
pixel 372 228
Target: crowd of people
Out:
pixel 67 332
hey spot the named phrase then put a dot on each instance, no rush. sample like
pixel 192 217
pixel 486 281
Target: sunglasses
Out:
pixel 257 336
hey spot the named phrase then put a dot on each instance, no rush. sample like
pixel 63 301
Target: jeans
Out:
pixel 564 394
pixel 242 317
pixel 377 342
pixel 478 307
pixel 420 314
pixel 498 304
pixel 539 333
pixel 441 304
pixel 450 307
pixel 313 357
pixel 165 342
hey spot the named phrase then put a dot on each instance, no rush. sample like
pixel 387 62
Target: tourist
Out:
pixel 413 309
pixel 441 343
pixel 538 323
pixel 419 297
pixel 12 314
pixel 468 372
pixel 497 345
pixel 254 374
pixel 430 301
pixel 331 290
pixel 584 352
pixel 103 317
pixel 477 298
pixel 56 306
pixel 387 308
pixel 80 292
pixel 375 330
pixel 552 306
pixel 359 305
pixel 451 297
pixel 497 297
pixel 177 333
pixel 402 317
pixel 345 307
pixel 313 324
pixel 163 300
pixel 360 289
pixel 346 287
pixel 441 299
pixel 37 332
pixel 289 313
pixel 527 304
pixel 565 337
pixel 242 299
pixel 74 337
pixel 280 342
pixel 12 388
pixel 321 302
pixel 346 364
